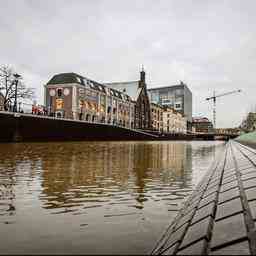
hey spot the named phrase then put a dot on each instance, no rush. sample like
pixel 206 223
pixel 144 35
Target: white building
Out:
pixel 174 121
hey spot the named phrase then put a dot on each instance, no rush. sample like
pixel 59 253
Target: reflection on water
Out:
pixel 95 197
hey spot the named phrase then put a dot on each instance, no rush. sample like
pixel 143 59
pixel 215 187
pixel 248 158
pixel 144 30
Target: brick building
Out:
pixel 137 91
pixel 1 102
pixel 174 121
pixel 72 96
pixel 177 97
pixel 156 117
pixel 202 124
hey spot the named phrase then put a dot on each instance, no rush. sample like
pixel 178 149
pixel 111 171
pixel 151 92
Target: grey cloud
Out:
pixel 208 44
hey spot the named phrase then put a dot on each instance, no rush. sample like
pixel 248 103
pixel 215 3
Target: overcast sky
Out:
pixel 209 45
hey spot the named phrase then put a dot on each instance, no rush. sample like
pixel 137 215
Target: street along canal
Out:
pixel 95 197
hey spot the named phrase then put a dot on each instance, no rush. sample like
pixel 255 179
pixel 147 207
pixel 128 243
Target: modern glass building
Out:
pixel 178 97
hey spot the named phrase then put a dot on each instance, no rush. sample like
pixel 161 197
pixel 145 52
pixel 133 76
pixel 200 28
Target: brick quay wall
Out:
pixel 219 217
pixel 16 127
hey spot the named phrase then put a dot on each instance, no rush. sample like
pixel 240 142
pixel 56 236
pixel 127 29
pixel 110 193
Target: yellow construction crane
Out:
pixel 214 103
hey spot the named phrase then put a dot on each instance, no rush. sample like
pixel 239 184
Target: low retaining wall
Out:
pixel 219 217
pixel 21 127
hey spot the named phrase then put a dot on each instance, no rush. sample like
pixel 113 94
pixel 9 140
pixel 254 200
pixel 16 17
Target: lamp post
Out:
pixel 17 76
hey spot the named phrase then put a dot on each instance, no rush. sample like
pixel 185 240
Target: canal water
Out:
pixel 95 197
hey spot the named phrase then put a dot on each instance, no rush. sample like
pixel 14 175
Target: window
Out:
pixel 178 106
pixel 59 92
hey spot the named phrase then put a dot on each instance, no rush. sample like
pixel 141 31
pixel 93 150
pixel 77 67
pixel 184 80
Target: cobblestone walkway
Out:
pixel 219 217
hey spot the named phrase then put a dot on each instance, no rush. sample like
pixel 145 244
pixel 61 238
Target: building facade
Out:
pixel 157 117
pixel 174 121
pixel 178 97
pixel 137 91
pixel 72 96
pixel 1 102
pixel 249 123
pixel 202 124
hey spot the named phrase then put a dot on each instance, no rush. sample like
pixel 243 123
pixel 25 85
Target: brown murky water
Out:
pixel 95 197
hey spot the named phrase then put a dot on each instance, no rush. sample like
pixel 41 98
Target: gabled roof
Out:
pixel 68 78
pixel 130 88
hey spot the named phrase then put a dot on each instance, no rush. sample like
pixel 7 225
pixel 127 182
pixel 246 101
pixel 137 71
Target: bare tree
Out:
pixel 8 87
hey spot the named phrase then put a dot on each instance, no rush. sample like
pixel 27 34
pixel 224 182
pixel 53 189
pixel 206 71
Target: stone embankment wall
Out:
pixel 23 127
pixel 219 217
pixel 248 139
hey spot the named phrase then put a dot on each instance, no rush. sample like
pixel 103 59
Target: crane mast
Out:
pixel 214 103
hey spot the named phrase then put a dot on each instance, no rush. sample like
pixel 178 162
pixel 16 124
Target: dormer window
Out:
pixel 78 80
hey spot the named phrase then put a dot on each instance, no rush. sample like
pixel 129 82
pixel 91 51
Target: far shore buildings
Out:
pixel 202 124
pixel 167 120
pixel 126 104
pixel 156 117
pixel 137 91
pixel 174 121
pixel 177 97
pixel 1 102
pixel 72 96
pixel 249 123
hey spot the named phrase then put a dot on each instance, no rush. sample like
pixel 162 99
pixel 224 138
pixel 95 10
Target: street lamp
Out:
pixel 17 76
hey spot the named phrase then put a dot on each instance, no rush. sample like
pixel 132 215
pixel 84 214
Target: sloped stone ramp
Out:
pixel 219 217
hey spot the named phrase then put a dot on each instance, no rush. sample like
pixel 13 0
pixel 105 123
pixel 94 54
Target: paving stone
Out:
pixel 252 206
pixel 249 183
pixel 165 237
pixel 226 175
pixel 243 161
pixel 215 180
pixel 240 168
pixel 250 193
pixel 210 191
pixel 232 170
pixel 228 179
pixel 203 212
pixel 228 195
pixel 229 164
pixel 212 197
pixel 169 251
pixel 199 248
pixel 175 236
pixel 241 248
pixel 249 170
pixel 196 232
pixel 228 186
pixel 189 208
pixel 196 199
pixel 248 176
pixel 184 219
pixel 213 184
pixel 228 230
pixel 216 176
pixel 228 208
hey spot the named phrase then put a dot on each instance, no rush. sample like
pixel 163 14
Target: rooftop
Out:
pixel 67 78
pixel 131 88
